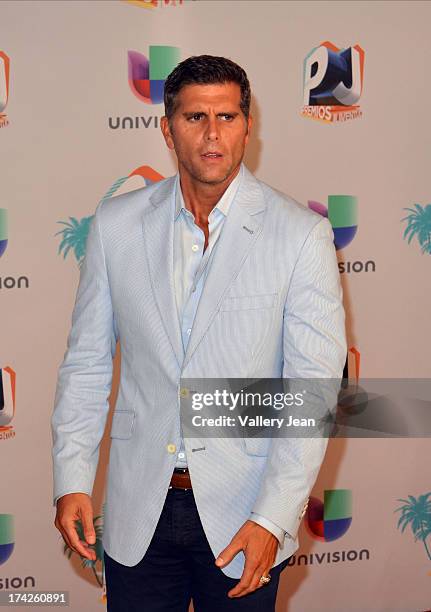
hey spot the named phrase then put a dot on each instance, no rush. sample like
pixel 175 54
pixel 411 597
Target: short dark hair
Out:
pixel 205 70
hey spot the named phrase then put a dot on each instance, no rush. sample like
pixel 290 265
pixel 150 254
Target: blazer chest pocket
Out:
pixel 248 302
pixel 122 424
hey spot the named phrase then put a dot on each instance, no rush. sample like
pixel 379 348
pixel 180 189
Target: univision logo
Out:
pixel 3 230
pixel 7 545
pixel 7 537
pixel 147 78
pixel 9 282
pixel 342 212
pixel 330 519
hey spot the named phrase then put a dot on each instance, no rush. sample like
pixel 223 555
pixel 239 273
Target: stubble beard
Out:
pixel 201 177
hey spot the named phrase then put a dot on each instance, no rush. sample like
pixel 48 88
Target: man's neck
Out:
pixel 200 198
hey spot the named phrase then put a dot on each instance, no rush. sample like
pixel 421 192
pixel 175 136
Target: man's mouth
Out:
pixel 211 155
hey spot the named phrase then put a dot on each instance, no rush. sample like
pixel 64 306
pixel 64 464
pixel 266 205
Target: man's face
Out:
pixel 208 131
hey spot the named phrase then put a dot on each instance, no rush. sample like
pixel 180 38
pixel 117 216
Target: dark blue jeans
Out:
pixel 179 567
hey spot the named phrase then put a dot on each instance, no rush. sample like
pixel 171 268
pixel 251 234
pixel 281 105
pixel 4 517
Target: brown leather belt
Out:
pixel 181 479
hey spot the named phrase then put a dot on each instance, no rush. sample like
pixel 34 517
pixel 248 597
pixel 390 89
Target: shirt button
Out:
pixel 181 455
pixel 184 392
pixel 189 331
pixel 171 448
pixel 195 247
pixel 193 289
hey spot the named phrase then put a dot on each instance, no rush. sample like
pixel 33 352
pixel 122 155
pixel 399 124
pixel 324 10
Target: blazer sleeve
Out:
pixel 85 375
pixel 314 347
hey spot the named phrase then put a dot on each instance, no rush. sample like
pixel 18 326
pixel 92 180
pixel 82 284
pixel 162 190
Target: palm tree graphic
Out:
pixel 419 225
pixel 97 547
pixel 74 235
pixel 416 512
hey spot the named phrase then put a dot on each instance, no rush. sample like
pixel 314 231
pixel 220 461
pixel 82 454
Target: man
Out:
pixel 207 274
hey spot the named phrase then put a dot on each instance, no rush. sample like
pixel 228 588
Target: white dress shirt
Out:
pixel 191 266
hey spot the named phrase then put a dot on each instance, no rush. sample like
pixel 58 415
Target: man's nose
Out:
pixel 212 129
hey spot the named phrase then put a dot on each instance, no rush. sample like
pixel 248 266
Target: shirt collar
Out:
pixel 223 205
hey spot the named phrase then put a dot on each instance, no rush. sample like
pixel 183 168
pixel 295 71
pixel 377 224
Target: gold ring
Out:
pixel 265 579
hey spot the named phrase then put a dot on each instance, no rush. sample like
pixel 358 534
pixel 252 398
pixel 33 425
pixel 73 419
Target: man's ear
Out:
pixel 166 131
pixel 249 125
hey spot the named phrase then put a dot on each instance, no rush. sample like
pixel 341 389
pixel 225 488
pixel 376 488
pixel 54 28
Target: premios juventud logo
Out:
pixel 4 87
pixel 342 212
pixel 147 75
pixel 154 4
pixel 74 235
pixel 7 402
pixel 333 83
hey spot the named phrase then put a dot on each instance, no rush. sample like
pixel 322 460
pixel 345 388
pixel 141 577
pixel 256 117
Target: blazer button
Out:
pixel 171 448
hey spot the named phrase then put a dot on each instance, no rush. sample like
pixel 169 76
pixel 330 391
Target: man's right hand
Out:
pixel 71 507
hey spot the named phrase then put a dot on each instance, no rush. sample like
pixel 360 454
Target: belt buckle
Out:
pixel 178 470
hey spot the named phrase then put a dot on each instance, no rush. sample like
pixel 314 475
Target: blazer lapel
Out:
pixel 239 233
pixel 158 228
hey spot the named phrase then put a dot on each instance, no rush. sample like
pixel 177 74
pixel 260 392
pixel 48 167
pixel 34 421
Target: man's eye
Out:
pixel 227 117
pixel 195 117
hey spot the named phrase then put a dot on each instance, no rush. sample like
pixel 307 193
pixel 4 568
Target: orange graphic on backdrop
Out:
pixel 9 416
pixel 152 4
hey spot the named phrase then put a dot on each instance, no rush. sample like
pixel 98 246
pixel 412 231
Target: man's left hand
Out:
pixel 260 548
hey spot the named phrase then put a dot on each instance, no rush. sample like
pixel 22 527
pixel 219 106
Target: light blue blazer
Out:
pixel 271 307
